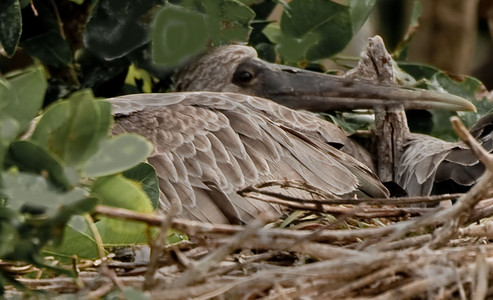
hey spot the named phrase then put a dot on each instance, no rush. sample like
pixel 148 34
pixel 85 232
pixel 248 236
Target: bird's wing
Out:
pixel 310 125
pixel 461 169
pixel 209 145
pixel 418 164
pixel 430 165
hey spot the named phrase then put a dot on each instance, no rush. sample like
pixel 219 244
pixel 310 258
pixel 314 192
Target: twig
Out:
pixel 238 265
pixel 198 270
pixel 483 230
pixel 59 19
pixel 360 283
pixel 481 276
pixel 33 8
pixel 104 289
pixel 193 228
pixel 258 188
pixel 359 211
pixel 159 244
pixel 482 210
pixel 459 213
pixel 97 236
pixel 484 156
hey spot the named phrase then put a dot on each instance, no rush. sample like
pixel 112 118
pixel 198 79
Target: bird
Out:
pixel 236 120
pixel 432 166
pixel 423 164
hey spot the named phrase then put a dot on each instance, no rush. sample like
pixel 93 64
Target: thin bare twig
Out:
pixel 259 189
pixel 460 212
pixel 58 18
pixel 159 244
pixel 33 8
pixel 198 270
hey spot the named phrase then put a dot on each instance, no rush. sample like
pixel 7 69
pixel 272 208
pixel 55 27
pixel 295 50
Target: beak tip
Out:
pixel 470 106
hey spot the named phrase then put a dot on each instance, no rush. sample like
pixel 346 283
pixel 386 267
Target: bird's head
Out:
pixel 237 69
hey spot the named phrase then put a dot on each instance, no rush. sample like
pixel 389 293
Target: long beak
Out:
pixel 301 89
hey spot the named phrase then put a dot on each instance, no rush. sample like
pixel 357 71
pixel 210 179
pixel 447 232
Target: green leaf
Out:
pixel 77 240
pixel 359 11
pixel 466 87
pixel 145 175
pixel 177 35
pixel 23 103
pixel 118 154
pixel 273 32
pixel 5 93
pixel 8 131
pixel 402 48
pixel 292 50
pixel 104 77
pixel 19 105
pixel 350 122
pixel 418 70
pixel 9 128
pixel 8 238
pixel 330 21
pixel 10 25
pixel 118 191
pixel 115 28
pixel 50 48
pixel 228 21
pixel 35 194
pixel 73 129
pixel 30 157
pixel 121 192
pixel 463 86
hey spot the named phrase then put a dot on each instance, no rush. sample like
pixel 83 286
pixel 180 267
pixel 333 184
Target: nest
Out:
pixel 369 248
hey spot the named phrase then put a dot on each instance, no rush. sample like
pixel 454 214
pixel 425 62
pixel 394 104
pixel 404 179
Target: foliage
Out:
pixel 45 181
pixel 52 178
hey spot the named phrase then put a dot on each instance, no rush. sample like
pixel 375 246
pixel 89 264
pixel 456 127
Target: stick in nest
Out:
pixel 458 214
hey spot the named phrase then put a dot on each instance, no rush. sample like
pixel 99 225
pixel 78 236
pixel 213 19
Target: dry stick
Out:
pixel 195 227
pixel 414 241
pixel 340 269
pixel 104 289
pixel 33 8
pixel 459 213
pixel 360 283
pixel 257 188
pixel 196 271
pixel 483 230
pixel 414 288
pixel 481 276
pixel 316 250
pixel 364 212
pixel 248 261
pixel 159 244
pixel 455 216
pixel 482 210
pixel 265 236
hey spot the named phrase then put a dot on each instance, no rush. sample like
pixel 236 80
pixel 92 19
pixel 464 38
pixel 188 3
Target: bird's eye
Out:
pixel 243 77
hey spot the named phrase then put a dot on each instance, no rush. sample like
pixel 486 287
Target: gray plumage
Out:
pixel 433 166
pixel 209 145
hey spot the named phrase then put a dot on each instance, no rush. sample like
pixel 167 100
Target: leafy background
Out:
pixel 61 57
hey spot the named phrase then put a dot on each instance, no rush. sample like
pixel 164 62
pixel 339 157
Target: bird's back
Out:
pixel 210 145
